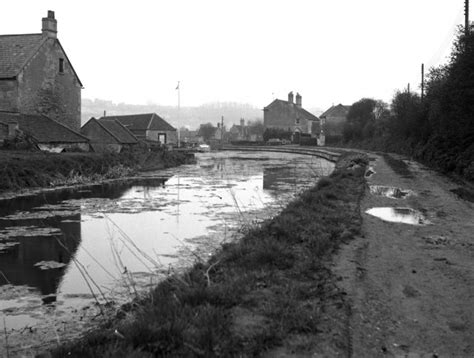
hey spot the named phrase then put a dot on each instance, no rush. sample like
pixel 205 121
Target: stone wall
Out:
pixel 43 89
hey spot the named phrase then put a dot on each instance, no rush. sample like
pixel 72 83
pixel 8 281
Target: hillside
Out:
pixel 190 117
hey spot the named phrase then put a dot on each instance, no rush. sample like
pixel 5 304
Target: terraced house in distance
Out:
pixel 38 82
pixel 148 127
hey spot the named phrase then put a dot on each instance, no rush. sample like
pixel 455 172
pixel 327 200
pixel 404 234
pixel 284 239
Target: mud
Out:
pixel 410 287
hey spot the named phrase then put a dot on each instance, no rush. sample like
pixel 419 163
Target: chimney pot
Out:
pixel 290 97
pixel 50 25
pixel 298 99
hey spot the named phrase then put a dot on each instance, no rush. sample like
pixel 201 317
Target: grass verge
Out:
pixel 267 291
pixel 37 169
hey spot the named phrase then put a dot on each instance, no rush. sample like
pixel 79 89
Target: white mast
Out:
pixel 179 104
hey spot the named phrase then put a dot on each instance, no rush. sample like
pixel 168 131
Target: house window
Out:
pixel 297 121
pixel 61 65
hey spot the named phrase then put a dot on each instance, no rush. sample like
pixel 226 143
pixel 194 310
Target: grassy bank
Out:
pixel 37 169
pixel 267 291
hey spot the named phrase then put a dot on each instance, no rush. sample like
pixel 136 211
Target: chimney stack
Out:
pixel 298 100
pixel 242 122
pixel 290 97
pixel 50 25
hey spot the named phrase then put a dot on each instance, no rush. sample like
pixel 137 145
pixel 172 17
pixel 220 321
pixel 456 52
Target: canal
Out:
pixel 66 253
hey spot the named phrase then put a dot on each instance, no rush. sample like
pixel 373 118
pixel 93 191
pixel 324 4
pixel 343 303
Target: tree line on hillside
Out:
pixel 437 129
pixel 190 117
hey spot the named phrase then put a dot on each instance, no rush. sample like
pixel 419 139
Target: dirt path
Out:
pixel 411 287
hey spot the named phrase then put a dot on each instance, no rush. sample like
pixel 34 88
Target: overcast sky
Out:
pixel 245 50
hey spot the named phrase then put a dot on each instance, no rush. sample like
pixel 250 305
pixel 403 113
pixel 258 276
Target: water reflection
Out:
pixel 18 264
pixel 41 228
pixel 399 215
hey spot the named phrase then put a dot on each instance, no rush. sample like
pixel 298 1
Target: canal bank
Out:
pixel 27 173
pixel 270 293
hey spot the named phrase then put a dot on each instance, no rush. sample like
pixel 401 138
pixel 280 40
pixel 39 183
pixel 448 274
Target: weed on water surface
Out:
pixel 254 293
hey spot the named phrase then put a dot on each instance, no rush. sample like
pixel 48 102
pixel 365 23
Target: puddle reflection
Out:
pixel 399 215
pixel 390 191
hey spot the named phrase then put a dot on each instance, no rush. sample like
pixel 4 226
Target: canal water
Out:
pixel 64 251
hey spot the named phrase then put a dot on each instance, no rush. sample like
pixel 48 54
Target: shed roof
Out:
pixel 141 122
pixel 43 129
pixel 118 131
pixel 337 111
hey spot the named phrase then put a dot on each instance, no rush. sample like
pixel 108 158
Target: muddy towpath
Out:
pixel 410 278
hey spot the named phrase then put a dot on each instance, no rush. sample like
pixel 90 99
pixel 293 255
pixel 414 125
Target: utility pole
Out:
pixel 222 130
pixel 179 104
pixel 466 17
pixel 408 89
pixel 422 81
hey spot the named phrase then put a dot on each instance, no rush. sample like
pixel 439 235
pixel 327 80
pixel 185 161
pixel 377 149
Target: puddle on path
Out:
pixel 369 172
pixel 390 191
pixel 129 235
pixel 399 215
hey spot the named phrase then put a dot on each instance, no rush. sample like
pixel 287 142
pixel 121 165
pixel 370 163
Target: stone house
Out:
pixel 333 120
pixel 36 76
pixel 108 135
pixel 289 116
pixel 148 127
pixel 45 133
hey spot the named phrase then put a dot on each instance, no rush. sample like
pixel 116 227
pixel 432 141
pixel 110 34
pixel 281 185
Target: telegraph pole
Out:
pixel 466 17
pixel 222 130
pixel 179 104
pixel 422 81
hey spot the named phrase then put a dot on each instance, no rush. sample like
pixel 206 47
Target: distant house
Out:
pixel 190 137
pixel 220 133
pixel 47 134
pixel 242 132
pixel 289 116
pixel 108 135
pixel 36 76
pixel 149 127
pixel 333 120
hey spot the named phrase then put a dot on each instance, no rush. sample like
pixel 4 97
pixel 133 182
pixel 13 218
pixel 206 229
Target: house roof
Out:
pixel 117 130
pixel 337 111
pixel 303 112
pixel 43 129
pixel 17 50
pixel 142 122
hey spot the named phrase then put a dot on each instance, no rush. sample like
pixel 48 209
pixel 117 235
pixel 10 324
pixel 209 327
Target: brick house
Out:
pixel 289 116
pixel 108 135
pixel 150 127
pixel 36 76
pixel 334 119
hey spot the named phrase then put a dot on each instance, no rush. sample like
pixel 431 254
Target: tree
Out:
pixel 207 131
pixel 360 116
